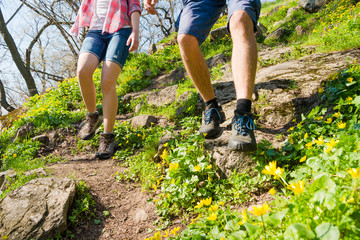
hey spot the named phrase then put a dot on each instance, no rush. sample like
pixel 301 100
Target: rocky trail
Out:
pixel 282 93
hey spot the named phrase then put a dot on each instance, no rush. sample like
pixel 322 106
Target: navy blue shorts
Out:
pixel 109 47
pixel 198 16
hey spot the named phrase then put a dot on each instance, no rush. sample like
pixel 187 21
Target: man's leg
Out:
pixel 244 54
pixel 196 66
pixel 197 18
pixel 244 63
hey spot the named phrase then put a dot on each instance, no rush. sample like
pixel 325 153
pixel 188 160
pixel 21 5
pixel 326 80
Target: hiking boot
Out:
pixel 106 146
pixel 242 133
pixel 89 126
pixel 213 117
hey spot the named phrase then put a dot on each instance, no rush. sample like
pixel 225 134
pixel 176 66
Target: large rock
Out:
pixel 312 5
pixel 277 34
pixel 143 121
pixel 26 130
pixel 227 160
pixel 37 210
pixel 162 97
pixel 220 32
pixel 9 175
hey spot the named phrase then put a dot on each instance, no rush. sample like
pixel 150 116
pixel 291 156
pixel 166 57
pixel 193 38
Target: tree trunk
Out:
pixel 3 101
pixel 30 82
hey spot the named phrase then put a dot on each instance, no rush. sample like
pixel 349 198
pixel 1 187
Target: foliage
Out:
pixel 18 181
pixel 82 209
pixel 20 156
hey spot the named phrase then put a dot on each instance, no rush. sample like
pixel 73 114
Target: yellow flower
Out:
pixel 172 181
pixel 332 143
pixel 318 118
pixel 175 230
pixel 207 201
pixel 349 99
pixel 327 150
pixel 209 167
pixel 350 79
pixel 260 210
pixel 291 141
pixel 157 236
pixel 306 135
pixel 272 191
pixel 213 208
pixel 303 159
pixel 166 144
pixel 337 114
pixel 290 129
pixel 166 233
pixel 197 168
pixel 212 216
pixel 309 145
pixel 270 169
pixel 15 155
pixel 279 172
pixel 321 90
pixel 154 187
pixel 329 120
pixel 174 166
pixel 354 172
pixel 164 154
pixel 222 203
pixel 200 204
pixel 341 125
pixel 319 141
pixel 298 187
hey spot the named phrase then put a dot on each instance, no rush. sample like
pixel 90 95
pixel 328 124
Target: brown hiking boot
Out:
pixel 89 126
pixel 106 146
pixel 212 118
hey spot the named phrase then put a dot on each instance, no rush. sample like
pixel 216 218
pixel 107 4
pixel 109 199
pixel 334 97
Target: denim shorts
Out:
pixel 198 16
pixel 108 46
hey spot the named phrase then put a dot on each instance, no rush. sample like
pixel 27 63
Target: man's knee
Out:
pixel 187 41
pixel 241 21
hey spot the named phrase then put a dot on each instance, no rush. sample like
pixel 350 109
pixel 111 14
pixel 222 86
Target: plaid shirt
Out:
pixel 117 16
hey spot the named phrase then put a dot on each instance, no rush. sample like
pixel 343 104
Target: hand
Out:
pixel 133 40
pixel 150 6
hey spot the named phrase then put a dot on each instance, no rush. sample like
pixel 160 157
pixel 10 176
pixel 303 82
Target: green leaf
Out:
pixel 275 218
pixel 238 235
pixel 97 221
pixel 297 231
pixel 215 231
pixel 232 225
pixel 106 213
pixel 323 182
pixel 327 231
pixel 356 101
pixel 319 196
pixel 251 228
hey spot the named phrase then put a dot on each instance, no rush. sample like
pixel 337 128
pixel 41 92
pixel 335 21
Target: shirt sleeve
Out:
pixel 134 5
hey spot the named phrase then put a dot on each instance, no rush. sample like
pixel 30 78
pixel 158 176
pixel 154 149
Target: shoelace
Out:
pixel 242 124
pixel 208 115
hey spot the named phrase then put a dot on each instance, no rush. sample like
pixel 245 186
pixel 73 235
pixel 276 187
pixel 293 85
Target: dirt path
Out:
pixel 131 215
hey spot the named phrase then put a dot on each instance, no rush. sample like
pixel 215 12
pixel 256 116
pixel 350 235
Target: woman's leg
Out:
pixel 87 64
pixel 109 75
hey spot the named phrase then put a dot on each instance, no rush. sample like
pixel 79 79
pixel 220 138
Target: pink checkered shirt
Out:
pixel 117 16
